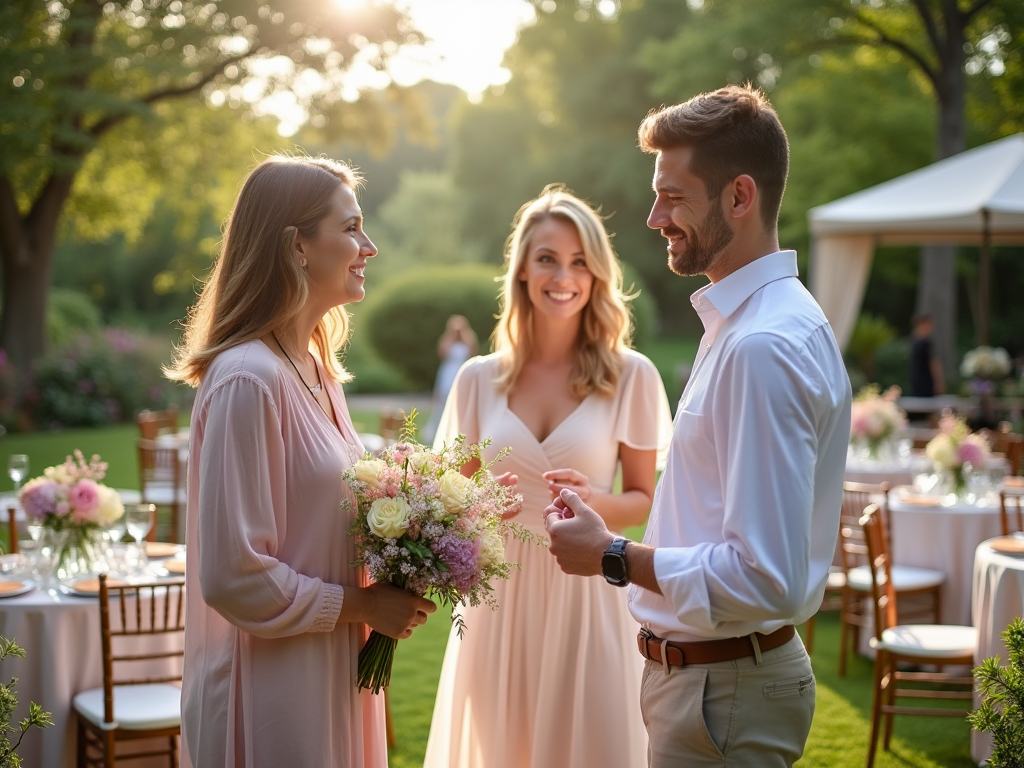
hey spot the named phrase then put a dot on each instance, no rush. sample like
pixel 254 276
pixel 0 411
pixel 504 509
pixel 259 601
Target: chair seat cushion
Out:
pixel 931 640
pixel 904 578
pixel 136 707
pixel 836 580
pixel 164 493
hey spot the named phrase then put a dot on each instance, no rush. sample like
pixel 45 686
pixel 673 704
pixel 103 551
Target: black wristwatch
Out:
pixel 613 563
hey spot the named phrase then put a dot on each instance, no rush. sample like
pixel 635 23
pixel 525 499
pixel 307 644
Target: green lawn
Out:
pixel 838 737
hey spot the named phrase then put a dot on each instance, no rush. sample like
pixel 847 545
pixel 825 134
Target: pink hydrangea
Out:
pixel 85 500
pixel 39 497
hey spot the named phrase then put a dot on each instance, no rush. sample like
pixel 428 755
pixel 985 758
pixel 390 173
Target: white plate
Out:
pixel 27 586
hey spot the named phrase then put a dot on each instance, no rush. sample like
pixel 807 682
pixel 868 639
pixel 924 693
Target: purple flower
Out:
pixel 39 497
pixel 460 557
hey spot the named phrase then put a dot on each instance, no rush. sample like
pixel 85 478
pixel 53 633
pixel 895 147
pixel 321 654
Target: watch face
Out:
pixel 613 567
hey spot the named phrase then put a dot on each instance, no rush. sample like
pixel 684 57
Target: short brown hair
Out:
pixel 255 286
pixel 733 131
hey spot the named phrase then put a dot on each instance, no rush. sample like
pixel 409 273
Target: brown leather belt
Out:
pixel 709 651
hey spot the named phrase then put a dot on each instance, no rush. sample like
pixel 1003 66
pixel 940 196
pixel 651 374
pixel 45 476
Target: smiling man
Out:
pixel 745 518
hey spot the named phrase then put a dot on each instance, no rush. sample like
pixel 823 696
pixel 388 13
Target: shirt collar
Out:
pixel 729 293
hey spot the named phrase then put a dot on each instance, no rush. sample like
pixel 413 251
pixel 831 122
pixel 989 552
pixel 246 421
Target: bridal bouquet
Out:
pixel 422 525
pixel 875 418
pixel 69 499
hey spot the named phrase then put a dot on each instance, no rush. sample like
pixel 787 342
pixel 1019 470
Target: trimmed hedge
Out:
pixel 406 316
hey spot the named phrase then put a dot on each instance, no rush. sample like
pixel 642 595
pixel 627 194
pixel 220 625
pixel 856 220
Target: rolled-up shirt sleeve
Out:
pixel 242 515
pixel 764 418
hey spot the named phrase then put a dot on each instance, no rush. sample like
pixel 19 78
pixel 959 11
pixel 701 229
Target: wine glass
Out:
pixel 17 468
pixel 138 519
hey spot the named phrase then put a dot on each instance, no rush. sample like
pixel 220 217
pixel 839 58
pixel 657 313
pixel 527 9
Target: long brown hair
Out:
pixel 255 285
pixel 605 328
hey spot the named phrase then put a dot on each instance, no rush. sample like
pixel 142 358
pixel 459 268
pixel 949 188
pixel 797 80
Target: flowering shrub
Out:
pixel 422 525
pixel 101 379
pixel 875 418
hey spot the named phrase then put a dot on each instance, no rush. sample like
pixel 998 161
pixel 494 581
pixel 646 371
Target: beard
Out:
pixel 701 247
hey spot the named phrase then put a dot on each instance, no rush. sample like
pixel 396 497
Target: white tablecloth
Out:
pixel 944 539
pixel 998 599
pixel 61 637
pixel 903 471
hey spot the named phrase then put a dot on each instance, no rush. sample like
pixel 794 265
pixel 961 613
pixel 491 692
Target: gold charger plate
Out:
pixel 920 499
pixel 160 548
pixel 1008 545
pixel 90 586
pixel 174 565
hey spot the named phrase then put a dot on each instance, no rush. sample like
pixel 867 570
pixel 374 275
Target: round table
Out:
pixel 903 471
pixel 998 599
pixel 930 535
pixel 61 637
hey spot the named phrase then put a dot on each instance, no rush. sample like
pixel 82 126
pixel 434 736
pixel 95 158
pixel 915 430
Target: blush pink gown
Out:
pixel 269 679
pixel 552 678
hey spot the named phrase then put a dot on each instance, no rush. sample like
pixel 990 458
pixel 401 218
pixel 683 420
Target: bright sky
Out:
pixel 467 41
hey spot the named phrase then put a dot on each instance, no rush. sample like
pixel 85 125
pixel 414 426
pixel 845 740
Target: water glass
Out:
pixel 17 468
pixel 139 519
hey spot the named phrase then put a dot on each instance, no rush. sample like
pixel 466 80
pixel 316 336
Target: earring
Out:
pixel 302 263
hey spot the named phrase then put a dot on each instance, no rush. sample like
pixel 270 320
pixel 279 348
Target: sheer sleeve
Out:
pixel 460 415
pixel 643 420
pixel 242 485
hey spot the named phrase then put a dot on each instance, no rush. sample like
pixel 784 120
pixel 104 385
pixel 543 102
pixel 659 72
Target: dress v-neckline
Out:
pixel 557 427
pixel 334 422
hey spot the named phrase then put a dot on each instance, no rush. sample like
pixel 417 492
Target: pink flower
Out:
pixel 971 452
pixel 39 497
pixel 85 499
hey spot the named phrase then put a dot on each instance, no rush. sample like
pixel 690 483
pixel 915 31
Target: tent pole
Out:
pixel 984 278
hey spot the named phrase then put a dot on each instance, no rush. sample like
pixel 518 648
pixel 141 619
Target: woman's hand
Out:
pixel 569 479
pixel 388 609
pixel 509 480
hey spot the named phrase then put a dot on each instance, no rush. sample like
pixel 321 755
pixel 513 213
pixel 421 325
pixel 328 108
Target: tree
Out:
pixel 945 42
pixel 74 72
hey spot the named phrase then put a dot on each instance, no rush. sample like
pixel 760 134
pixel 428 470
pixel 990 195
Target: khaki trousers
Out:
pixel 731 714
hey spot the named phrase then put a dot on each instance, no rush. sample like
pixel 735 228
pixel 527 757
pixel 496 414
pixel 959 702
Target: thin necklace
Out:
pixel 312 390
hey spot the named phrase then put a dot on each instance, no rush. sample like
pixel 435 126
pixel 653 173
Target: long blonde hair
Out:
pixel 255 285
pixel 605 327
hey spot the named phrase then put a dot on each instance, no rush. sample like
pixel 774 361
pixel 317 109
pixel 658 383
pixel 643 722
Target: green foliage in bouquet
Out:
pixel 1002 710
pixel 37 718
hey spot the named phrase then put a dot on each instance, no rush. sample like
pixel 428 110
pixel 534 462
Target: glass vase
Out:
pixel 78 550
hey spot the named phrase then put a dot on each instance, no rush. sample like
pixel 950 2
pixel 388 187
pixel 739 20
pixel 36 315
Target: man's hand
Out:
pixel 578 535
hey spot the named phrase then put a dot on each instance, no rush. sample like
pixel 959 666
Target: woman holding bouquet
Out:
pixel 275 611
pixel 552 678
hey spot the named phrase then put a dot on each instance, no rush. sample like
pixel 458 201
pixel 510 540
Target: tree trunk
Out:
pixel 27 248
pixel 936 290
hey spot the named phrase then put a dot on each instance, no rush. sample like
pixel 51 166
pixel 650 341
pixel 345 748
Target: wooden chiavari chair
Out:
pixel 130 705
pixel 162 481
pixel 919 588
pixel 12 530
pixel 154 423
pixel 915 644
pixel 1011 510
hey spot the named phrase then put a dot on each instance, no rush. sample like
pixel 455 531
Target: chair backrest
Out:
pixel 857 497
pixel 1011 510
pixel 391 422
pixel 12 530
pixel 883 594
pixel 152 423
pixel 158 463
pixel 147 609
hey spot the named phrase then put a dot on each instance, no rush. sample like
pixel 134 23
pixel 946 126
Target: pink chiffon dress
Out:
pixel 552 678
pixel 269 676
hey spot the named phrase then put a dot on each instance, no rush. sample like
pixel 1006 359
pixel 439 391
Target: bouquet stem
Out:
pixel 375 662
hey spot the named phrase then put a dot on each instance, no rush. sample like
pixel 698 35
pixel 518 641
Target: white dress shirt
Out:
pixel 746 514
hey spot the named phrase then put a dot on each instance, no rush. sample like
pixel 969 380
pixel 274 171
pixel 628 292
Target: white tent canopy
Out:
pixel 976 197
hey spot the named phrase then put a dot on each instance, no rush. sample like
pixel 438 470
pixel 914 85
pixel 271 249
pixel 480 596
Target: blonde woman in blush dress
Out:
pixel 552 678
pixel 275 611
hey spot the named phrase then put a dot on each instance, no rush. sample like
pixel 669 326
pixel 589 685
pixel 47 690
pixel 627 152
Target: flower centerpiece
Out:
pixel 422 525
pixel 68 500
pixel 984 367
pixel 875 419
pixel 953 449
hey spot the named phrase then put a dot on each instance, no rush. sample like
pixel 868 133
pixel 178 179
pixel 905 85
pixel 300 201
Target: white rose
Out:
pixel 492 550
pixel 422 463
pixel 388 518
pixel 59 474
pixel 942 451
pixel 369 472
pixel 110 508
pixel 454 488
